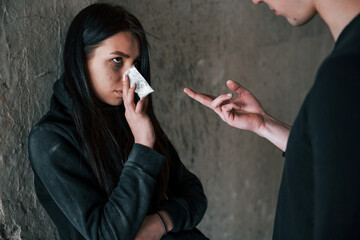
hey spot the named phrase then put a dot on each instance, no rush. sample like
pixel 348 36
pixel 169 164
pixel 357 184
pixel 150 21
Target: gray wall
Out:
pixel 200 44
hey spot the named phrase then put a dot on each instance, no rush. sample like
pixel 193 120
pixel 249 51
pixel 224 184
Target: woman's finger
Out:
pixel 141 105
pixel 130 96
pixel 126 83
pixel 220 100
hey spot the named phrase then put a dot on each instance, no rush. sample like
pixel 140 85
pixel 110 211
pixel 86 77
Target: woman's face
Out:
pixel 108 63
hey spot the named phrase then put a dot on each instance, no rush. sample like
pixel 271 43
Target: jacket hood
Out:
pixel 61 102
pixel 62 106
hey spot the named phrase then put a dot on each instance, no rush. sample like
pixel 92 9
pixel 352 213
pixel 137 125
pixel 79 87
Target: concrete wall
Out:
pixel 200 44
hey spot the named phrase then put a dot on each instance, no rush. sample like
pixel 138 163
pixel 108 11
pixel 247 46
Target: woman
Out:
pixel 103 167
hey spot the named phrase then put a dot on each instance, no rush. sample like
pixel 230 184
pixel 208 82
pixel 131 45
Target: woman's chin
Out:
pixel 118 102
pixel 115 103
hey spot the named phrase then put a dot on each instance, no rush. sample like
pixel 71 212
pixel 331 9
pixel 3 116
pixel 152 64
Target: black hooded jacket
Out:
pixel 69 192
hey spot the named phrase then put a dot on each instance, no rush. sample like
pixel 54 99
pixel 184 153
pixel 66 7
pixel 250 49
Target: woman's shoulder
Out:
pixel 48 135
pixel 50 124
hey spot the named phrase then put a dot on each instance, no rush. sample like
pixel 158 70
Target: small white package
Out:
pixel 142 86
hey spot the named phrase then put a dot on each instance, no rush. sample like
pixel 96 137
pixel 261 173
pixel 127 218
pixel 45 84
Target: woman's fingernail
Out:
pixel 229 94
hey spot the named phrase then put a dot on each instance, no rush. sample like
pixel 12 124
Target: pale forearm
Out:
pixel 275 131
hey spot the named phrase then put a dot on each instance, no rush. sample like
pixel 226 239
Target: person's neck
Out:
pixel 337 13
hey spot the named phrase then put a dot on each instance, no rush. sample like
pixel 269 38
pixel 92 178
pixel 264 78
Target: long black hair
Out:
pixel 104 141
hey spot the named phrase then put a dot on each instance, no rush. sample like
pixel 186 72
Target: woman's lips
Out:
pixel 119 92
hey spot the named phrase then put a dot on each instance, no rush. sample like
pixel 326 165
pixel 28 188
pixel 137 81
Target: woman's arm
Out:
pixel 188 204
pixel 71 184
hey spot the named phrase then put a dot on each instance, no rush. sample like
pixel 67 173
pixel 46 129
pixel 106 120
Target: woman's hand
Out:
pixel 244 112
pixel 139 122
pixel 152 228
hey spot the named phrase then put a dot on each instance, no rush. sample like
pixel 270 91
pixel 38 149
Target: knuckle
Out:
pixel 244 92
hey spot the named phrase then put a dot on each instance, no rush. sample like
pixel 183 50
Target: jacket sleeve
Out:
pixel 72 185
pixel 334 120
pixel 188 204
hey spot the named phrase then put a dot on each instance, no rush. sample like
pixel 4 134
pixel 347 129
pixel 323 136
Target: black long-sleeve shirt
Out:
pixel 319 196
pixel 68 190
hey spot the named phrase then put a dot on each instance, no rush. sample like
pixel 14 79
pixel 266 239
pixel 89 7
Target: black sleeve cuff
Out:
pixel 176 212
pixel 146 159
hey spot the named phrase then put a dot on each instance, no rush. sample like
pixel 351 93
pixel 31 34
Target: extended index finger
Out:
pixel 204 99
pixel 126 83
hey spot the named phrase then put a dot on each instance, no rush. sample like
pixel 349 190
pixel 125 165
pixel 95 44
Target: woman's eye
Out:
pixel 117 60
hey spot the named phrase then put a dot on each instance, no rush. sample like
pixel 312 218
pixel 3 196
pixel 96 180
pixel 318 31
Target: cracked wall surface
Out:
pixel 198 44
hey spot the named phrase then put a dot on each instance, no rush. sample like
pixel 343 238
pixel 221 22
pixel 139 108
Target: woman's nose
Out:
pixel 125 67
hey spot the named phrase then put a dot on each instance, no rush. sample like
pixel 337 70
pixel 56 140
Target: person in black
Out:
pixel 319 196
pixel 103 167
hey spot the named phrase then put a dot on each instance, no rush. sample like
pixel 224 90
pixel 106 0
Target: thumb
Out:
pixel 235 87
